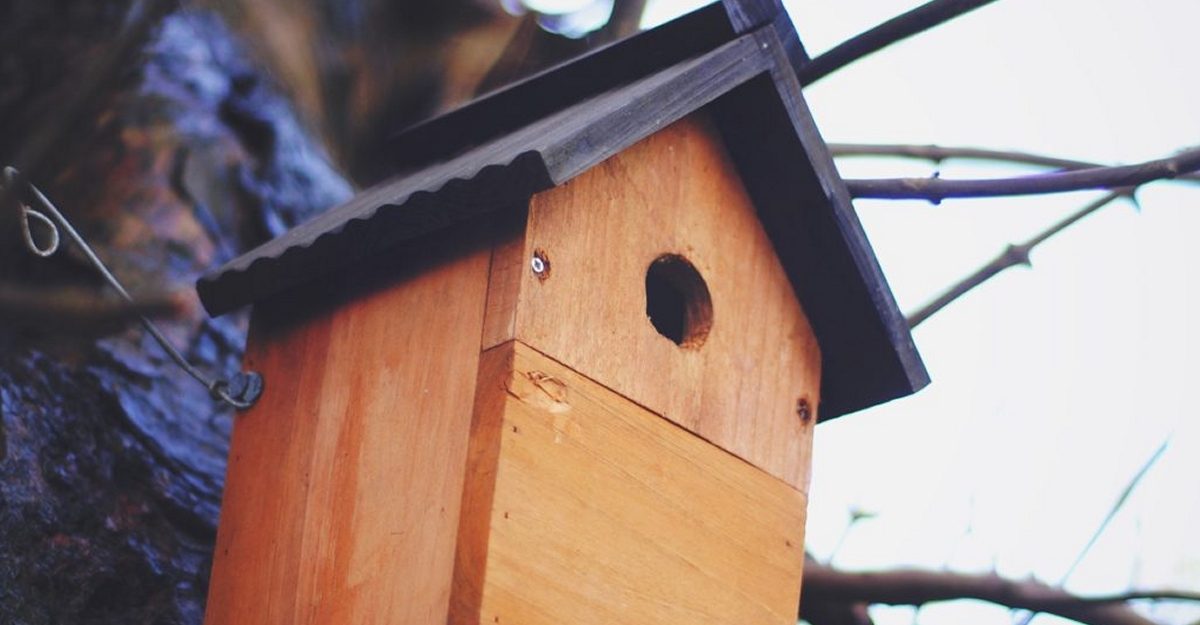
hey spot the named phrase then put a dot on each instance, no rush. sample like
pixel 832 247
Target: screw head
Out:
pixel 540 265
pixel 245 386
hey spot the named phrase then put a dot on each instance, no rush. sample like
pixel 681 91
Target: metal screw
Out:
pixel 244 388
pixel 540 265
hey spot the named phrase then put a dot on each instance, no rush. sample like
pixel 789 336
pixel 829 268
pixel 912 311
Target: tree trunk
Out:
pixel 111 458
pixel 170 157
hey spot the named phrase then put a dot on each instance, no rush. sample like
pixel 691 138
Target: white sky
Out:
pixel 1052 386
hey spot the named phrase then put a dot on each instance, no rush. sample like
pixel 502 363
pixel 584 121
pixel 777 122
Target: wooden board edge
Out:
pixel 510 259
pixel 483 456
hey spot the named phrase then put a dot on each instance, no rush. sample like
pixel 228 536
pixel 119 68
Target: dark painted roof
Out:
pixel 736 57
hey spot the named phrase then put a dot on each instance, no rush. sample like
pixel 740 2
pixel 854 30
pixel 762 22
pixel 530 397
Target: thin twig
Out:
pixel 916 587
pixel 1012 256
pixel 937 189
pixel 77 311
pixel 1117 505
pixel 918 20
pixel 938 154
pixel 1133 595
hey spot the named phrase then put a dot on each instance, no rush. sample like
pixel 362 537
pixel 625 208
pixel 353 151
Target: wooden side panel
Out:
pixel 603 512
pixel 344 482
pixel 673 193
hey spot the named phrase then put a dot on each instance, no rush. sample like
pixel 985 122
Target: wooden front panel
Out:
pixel 582 507
pixel 344 481
pixel 673 193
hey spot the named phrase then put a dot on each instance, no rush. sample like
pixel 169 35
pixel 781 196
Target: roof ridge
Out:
pixel 608 67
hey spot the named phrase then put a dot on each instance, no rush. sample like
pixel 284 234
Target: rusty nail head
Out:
pixel 803 409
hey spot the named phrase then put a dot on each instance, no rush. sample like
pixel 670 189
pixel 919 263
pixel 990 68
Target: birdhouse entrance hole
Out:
pixel 677 301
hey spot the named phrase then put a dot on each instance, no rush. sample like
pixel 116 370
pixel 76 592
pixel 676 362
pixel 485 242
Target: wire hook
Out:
pixel 27 231
pixel 241 391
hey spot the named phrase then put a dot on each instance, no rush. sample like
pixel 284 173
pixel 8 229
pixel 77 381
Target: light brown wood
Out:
pixel 673 193
pixel 604 474
pixel 344 481
pixel 483 457
pixel 587 508
pixel 509 266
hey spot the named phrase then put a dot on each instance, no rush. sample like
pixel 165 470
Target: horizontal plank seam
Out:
pixel 660 416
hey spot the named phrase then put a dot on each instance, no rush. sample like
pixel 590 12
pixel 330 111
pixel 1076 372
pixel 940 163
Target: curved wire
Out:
pixel 27 230
pixel 250 382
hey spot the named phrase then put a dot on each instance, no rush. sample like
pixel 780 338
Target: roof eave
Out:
pixel 749 85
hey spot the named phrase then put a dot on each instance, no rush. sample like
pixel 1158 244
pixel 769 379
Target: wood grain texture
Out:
pixel 344 481
pixel 508 269
pixel 483 458
pixel 602 512
pixel 673 193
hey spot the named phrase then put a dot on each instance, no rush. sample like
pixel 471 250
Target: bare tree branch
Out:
pixel 916 587
pixel 66 310
pixel 937 189
pixel 1012 256
pixel 918 20
pixel 626 18
pixel 937 154
pixel 1133 595
pixel 818 611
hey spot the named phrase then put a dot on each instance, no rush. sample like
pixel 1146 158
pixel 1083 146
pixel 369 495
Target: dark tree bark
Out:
pixel 837 593
pixel 111 458
pixel 183 154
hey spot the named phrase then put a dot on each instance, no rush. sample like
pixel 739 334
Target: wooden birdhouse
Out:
pixel 565 366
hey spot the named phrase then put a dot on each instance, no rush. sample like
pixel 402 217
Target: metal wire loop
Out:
pixel 27 231
pixel 241 392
